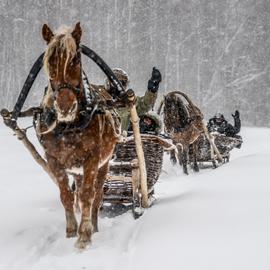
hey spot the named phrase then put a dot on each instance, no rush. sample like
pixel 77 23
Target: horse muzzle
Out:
pixel 66 115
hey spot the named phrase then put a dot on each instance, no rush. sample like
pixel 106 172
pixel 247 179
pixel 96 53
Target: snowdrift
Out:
pixel 214 219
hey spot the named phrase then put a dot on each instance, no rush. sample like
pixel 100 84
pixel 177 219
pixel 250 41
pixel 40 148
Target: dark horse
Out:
pixel 74 138
pixel 183 123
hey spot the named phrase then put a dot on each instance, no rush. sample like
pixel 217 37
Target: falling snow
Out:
pixel 217 51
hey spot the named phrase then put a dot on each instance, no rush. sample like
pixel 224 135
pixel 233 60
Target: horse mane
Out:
pixel 62 42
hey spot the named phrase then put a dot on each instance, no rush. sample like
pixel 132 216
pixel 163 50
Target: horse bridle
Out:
pixel 75 89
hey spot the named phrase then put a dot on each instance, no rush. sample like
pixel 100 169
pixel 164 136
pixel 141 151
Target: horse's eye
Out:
pixel 52 75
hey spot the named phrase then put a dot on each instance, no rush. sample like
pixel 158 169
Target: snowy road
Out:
pixel 215 219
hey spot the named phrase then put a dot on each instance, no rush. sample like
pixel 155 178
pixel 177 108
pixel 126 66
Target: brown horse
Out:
pixel 183 123
pixel 73 137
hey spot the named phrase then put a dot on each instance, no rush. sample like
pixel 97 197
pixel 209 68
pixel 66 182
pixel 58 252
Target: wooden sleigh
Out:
pixel 224 145
pixel 123 184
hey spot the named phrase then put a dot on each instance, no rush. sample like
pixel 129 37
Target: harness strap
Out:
pixel 27 86
pixel 86 87
pixel 105 68
pixel 38 65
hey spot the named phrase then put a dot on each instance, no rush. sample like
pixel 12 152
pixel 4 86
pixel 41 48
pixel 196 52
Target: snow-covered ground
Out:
pixel 214 219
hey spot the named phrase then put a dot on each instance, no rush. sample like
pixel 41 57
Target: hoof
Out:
pixel 186 172
pixel 95 227
pixel 82 244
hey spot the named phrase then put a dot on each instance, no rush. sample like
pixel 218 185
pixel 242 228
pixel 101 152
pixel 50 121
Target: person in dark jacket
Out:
pixel 219 124
pixel 144 103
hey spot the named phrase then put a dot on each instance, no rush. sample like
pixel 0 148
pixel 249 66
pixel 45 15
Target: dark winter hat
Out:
pixel 219 116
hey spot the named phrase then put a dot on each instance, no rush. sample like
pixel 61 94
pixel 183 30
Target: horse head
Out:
pixel 62 63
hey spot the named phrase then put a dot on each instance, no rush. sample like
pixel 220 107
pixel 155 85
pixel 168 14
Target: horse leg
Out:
pixel 66 195
pixel 87 194
pixel 194 156
pixel 182 156
pixel 102 173
pixel 78 179
pixel 173 157
pixel 185 160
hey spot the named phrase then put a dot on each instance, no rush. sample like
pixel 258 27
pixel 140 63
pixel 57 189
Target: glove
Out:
pixel 236 114
pixel 130 96
pixel 153 83
pixel 156 75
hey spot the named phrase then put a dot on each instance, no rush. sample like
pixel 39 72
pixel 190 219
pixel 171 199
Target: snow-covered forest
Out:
pixel 217 51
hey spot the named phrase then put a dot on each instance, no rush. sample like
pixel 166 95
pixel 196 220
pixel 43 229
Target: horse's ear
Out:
pixel 77 33
pixel 47 33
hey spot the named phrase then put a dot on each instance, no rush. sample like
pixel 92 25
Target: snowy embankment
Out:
pixel 214 219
